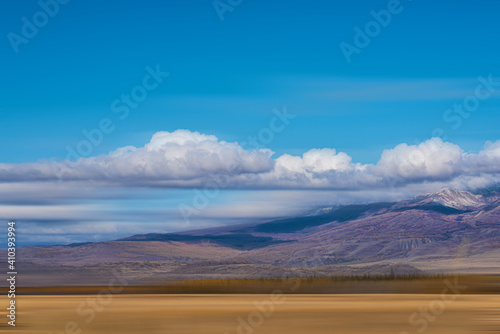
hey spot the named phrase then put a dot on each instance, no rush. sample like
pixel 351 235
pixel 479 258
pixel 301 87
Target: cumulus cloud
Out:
pixel 190 159
pixel 177 157
pixel 430 160
pixel 487 161
pixel 316 161
pixel 316 168
pixel 50 197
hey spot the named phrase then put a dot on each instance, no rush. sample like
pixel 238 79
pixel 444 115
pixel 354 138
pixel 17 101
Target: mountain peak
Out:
pixel 446 191
pixel 457 199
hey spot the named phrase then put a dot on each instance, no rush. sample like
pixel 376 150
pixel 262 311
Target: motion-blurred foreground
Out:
pixel 267 313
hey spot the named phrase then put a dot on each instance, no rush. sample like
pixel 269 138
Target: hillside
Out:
pixel 448 231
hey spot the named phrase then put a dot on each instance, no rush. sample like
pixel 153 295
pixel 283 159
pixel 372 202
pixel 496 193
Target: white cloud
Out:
pixel 487 161
pixel 430 160
pixel 316 161
pixel 178 156
pixel 113 188
pixel 190 159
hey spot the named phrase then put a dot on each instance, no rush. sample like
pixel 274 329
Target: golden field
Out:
pixel 257 313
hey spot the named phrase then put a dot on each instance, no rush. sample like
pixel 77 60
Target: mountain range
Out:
pixel 449 231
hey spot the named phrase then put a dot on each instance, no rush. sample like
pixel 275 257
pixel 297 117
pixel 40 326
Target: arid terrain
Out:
pixel 445 232
pixel 428 264
pixel 290 314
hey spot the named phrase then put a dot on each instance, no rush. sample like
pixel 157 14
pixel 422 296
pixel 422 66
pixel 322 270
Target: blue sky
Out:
pixel 226 76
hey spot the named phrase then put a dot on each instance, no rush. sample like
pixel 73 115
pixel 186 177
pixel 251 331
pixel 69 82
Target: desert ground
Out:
pixel 262 313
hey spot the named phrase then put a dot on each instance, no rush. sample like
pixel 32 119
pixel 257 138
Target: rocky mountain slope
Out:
pixel 448 231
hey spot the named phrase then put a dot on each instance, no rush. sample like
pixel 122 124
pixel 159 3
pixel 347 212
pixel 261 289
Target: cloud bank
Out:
pixel 185 159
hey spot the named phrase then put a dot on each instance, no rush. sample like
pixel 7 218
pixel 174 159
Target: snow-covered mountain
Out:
pixel 448 230
pixel 462 200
